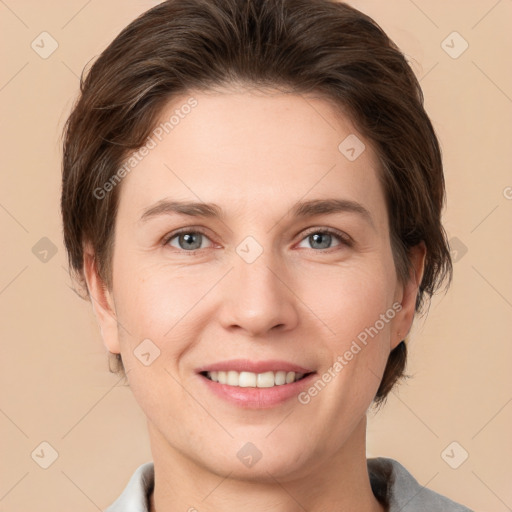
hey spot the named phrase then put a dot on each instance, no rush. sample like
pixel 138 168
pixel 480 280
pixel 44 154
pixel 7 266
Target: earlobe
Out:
pixel 410 291
pixel 102 303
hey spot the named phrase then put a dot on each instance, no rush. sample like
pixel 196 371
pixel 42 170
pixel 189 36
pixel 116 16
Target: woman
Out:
pixel 252 194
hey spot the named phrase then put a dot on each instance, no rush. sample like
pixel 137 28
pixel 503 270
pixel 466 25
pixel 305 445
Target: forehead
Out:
pixel 236 147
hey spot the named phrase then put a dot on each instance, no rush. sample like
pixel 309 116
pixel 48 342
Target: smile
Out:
pixel 252 384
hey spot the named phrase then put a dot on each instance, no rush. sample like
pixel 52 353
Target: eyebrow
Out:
pixel 303 209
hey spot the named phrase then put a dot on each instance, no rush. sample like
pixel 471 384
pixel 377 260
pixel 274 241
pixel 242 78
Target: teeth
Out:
pixel 265 380
pixel 247 380
pixel 232 378
pixel 253 380
pixel 280 378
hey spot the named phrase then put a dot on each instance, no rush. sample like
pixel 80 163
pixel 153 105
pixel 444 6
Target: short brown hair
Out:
pixel 301 46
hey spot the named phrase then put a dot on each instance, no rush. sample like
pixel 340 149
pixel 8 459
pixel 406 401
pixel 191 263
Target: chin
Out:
pixel 261 461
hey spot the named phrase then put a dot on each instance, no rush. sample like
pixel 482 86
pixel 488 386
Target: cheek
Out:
pixel 155 309
pixel 356 307
pixel 348 300
pixel 168 306
pixel 148 305
pixel 154 298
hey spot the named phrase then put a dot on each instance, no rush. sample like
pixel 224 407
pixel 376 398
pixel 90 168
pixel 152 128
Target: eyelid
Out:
pixel 187 229
pixel 342 236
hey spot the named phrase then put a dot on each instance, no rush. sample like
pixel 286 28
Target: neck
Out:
pixel 339 483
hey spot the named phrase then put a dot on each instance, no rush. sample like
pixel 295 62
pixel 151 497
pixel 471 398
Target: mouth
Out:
pixel 245 379
pixel 254 384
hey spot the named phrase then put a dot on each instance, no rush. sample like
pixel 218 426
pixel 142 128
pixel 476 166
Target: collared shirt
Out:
pixel 391 483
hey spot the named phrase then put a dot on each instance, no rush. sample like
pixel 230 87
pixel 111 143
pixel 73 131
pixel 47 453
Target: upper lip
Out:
pixel 248 365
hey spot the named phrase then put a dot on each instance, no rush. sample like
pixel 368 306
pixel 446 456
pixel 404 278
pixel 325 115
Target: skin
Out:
pixel 255 154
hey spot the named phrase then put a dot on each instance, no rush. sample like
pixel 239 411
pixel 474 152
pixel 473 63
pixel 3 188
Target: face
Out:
pixel 288 273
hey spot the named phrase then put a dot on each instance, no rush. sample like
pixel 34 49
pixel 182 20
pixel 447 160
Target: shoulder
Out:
pixel 391 481
pixel 135 496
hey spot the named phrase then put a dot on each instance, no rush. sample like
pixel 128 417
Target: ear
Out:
pixel 407 294
pixel 102 302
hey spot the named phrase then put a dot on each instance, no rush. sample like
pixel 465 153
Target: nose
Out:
pixel 259 297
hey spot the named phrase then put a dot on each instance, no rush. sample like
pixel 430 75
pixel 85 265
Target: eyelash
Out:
pixel 343 238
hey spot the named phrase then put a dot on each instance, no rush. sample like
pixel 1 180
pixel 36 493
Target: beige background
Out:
pixel 55 385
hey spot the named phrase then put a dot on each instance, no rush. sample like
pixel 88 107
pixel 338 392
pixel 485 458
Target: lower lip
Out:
pixel 258 398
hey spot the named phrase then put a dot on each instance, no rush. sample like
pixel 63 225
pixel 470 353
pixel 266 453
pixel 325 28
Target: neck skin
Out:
pixel 343 483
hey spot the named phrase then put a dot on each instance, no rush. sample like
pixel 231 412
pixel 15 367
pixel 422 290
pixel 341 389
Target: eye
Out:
pixel 191 240
pixel 322 238
pixel 187 240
